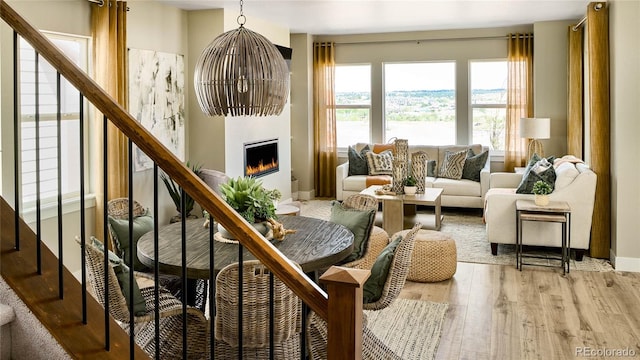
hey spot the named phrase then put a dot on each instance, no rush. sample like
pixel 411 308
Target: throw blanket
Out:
pixel 567 158
pixel 378 180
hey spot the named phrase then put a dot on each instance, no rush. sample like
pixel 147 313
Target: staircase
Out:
pixel 22 336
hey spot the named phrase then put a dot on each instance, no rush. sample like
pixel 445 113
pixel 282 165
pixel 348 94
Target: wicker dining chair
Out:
pixel 255 316
pixel 378 238
pixel 372 347
pixel 398 270
pixel 119 209
pixel 171 343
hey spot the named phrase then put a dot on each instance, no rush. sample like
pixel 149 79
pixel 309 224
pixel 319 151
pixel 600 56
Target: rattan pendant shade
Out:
pixel 241 73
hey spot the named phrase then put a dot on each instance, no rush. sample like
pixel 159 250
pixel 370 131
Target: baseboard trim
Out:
pixel 624 263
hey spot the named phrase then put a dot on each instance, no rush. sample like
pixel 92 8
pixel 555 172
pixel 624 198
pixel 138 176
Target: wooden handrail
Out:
pixel 268 254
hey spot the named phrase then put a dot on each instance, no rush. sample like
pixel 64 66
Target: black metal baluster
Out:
pixel 38 203
pixel 59 148
pixel 132 342
pixel 16 142
pixel 212 288
pixel 185 296
pixel 156 263
pixel 303 342
pixel 240 290
pixel 83 220
pixel 105 234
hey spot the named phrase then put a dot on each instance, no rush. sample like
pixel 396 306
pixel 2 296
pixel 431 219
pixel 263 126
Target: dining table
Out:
pixel 316 244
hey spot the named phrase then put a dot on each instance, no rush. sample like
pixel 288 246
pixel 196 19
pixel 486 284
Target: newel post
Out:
pixel 344 324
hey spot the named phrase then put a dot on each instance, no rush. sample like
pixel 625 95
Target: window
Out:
pixel 420 102
pixel 76 49
pixel 353 104
pixel 488 89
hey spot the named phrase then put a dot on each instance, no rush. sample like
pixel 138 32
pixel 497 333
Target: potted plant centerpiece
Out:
pixel 410 185
pixel 541 191
pixel 175 192
pixel 251 200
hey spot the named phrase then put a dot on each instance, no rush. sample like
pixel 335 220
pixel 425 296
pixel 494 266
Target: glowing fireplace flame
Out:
pixel 261 167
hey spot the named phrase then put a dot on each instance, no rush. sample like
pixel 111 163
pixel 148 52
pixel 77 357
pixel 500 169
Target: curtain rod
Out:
pixel 577 26
pixel 437 39
pixel 99 2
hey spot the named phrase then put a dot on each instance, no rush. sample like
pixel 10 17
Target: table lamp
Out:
pixel 534 129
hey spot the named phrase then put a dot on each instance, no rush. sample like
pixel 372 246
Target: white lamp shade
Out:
pixel 535 128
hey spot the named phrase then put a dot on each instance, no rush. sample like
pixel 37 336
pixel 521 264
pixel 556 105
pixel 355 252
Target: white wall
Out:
pixel 624 32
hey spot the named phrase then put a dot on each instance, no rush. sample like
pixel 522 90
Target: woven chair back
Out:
pixel 95 276
pixel 255 303
pixel 398 271
pixel 119 208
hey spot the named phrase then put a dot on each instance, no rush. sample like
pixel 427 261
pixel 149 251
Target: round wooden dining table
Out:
pixel 316 244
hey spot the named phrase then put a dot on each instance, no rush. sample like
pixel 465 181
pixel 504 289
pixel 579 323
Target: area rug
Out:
pixel 468 230
pixel 411 328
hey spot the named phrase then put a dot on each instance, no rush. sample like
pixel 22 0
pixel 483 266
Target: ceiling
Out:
pixel 328 17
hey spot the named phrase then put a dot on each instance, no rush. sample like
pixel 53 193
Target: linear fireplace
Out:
pixel 261 158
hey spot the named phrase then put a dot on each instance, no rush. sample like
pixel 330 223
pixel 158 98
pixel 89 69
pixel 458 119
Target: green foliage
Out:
pixel 410 181
pixel 541 188
pixel 175 191
pixel 249 198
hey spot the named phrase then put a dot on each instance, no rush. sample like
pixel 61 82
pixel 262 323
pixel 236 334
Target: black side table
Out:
pixel 554 211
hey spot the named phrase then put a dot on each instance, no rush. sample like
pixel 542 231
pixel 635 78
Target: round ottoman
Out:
pixel 434 257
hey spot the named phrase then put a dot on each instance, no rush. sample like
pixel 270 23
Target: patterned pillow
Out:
pixel 380 164
pixel 358 161
pixel 541 170
pixel 453 164
pixel 473 164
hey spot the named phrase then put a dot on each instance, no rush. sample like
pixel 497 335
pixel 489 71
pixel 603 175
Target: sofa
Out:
pixel 575 183
pixel 456 193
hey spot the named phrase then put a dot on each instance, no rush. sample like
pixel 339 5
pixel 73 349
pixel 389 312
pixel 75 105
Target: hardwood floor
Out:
pixel 498 312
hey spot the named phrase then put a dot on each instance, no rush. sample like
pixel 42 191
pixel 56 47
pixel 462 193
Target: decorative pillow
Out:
pixel 122 274
pixel 372 290
pixel 359 222
pixel 565 174
pixel 541 170
pixel 358 161
pixel 119 229
pixel 378 148
pixel 431 168
pixel 453 164
pixel 380 164
pixel 473 164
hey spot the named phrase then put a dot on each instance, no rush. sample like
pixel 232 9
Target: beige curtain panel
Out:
pixel 519 97
pixel 109 30
pixel 324 119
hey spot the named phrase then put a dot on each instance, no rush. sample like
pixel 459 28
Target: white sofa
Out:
pixel 575 184
pixel 456 193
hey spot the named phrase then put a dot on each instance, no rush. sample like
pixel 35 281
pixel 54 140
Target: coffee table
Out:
pixel 394 208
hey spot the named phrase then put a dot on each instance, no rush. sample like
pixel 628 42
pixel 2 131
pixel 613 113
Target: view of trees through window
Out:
pixel 353 104
pixel 489 102
pixel 420 102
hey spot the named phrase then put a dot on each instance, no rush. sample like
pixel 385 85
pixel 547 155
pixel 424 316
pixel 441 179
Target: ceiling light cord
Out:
pixel 241 19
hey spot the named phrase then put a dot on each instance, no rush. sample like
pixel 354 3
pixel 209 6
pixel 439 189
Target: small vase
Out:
pixel 410 190
pixel 260 226
pixel 541 200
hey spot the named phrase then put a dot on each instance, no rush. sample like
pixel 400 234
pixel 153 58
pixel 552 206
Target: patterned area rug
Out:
pixel 411 328
pixel 468 230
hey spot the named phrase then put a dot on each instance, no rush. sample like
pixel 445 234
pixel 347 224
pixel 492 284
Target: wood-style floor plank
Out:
pixel 498 312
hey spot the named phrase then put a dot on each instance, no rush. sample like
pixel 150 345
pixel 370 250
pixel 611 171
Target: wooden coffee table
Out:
pixel 395 207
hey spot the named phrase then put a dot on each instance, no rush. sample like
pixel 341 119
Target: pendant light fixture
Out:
pixel 241 73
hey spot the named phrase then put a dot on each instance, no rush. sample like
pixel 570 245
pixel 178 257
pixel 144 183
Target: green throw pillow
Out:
pixel 474 164
pixel 122 274
pixel 372 290
pixel 358 161
pixel 541 170
pixel 120 231
pixel 431 168
pixel 359 222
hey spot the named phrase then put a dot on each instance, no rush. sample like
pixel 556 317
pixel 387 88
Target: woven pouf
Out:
pixel 434 257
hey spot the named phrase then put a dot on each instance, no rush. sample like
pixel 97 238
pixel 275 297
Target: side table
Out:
pixel 555 211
